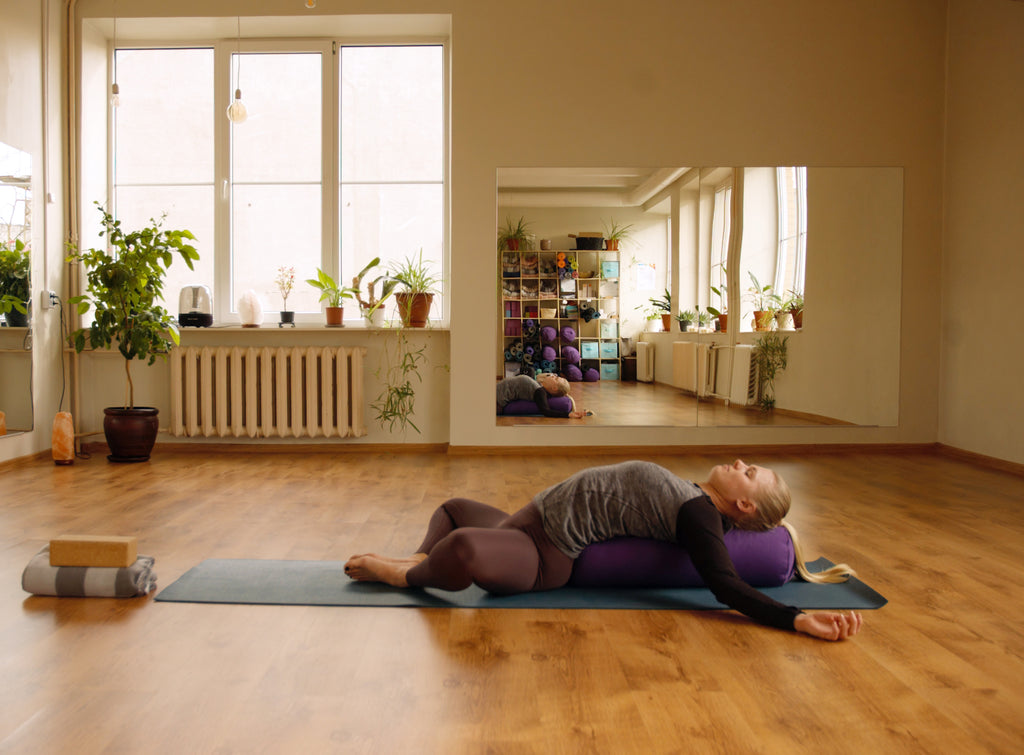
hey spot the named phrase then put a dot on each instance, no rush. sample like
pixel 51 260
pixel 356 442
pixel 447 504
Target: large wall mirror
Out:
pixel 15 290
pixel 820 249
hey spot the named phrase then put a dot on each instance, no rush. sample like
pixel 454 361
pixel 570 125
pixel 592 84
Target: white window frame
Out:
pixel 330 168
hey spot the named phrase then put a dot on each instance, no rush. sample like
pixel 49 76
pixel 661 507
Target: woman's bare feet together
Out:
pixel 373 568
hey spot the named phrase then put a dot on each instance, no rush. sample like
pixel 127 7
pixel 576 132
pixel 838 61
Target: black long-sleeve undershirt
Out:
pixel 700 528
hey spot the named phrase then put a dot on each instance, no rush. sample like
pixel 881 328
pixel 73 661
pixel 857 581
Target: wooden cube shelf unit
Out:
pixel 559 289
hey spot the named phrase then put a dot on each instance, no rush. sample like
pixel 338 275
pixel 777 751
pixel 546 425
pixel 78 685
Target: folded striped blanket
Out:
pixel 39 578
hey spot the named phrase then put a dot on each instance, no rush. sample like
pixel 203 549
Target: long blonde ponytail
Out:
pixel 837 573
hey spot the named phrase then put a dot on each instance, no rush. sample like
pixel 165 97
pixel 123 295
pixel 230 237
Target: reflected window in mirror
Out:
pixel 15 290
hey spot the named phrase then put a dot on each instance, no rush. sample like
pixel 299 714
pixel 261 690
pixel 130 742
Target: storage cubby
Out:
pixel 560 289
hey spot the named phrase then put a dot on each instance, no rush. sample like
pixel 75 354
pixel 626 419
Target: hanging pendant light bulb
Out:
pixel 310 4
pixel 115 91
pixel 236 110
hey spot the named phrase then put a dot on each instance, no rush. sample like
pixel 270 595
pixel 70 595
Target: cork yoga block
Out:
pixel 93 550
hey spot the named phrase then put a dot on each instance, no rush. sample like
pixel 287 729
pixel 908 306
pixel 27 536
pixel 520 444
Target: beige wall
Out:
pixel 687 82
pixel 982 403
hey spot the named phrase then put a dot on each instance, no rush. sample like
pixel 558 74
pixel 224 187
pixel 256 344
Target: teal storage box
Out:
pixel 609 349
pixel 610 269
pixel 610 371
pixel 589 350
pixel 609 329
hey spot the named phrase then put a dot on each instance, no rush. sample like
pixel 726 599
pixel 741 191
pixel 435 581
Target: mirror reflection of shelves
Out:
pixel 571 293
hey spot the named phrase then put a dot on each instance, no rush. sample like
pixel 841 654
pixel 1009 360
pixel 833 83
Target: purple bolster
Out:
pixel 762 559
pixel 522 407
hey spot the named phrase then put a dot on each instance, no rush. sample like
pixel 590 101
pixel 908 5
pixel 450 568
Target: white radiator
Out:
pixel 693 367
pixel 284 392
pixel 744 384
pixel 645 362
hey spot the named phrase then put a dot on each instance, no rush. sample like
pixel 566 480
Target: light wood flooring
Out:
pixel 632 403
pixel 938 670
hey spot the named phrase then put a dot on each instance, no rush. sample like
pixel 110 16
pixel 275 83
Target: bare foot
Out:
pixel 406 560
pixel 371 568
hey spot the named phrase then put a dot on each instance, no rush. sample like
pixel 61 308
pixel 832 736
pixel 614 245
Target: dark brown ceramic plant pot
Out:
pixel 131 433
pixel 414 309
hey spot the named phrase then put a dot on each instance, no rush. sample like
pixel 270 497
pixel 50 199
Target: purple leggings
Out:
pixel 469 542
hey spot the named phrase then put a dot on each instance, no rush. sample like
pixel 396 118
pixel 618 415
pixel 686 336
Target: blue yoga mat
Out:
pixel 323 583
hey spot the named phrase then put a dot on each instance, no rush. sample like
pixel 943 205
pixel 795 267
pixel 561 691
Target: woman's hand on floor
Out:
pixel 829 625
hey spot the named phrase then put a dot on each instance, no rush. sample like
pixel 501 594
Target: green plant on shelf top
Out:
pixel 616 232
pixel 514 236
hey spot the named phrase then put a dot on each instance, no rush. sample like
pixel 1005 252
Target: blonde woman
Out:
pixel 468 542
pixel 526 388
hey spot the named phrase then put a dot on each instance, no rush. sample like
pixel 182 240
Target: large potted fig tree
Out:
pixel 124 286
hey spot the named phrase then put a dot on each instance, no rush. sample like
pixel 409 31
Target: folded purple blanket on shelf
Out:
pixel 39 578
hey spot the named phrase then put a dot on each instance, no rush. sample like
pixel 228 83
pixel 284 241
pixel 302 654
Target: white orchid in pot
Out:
pixel 124 285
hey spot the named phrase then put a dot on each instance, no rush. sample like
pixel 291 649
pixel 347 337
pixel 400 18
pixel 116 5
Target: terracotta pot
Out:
pixel 414 309
pixel 512 245
pixel 666 323
pixel 723 323
pixel 762 320
pixel 798 318
pixel 131 433
pixel 335 317
pixel 612 245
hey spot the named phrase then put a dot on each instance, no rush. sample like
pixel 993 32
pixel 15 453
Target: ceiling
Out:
pixel 583 187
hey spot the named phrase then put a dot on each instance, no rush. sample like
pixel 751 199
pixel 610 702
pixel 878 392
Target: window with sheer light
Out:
pixel 341 160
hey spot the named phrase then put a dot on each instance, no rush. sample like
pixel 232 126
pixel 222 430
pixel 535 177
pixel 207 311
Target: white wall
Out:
pixel 982 404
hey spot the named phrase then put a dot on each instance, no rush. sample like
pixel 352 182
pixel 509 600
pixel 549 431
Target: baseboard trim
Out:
pixel 990 462
pixel 745 449
pixel 100 448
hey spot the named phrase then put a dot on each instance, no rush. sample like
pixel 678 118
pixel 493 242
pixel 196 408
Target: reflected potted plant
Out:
pixel 686 318
pixel 765 301
pixel 285 280
pixel 614 234
pixel 722 292
pixel 124 285
pixel 795 304
pixel 15 271
pixel 771 357
pixel 334 295
pixel 372 308
pixel 418 286
pixel 515 236
pixel 663 307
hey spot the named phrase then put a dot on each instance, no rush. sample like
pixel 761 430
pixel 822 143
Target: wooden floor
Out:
pixel 938 670
pixel 631 403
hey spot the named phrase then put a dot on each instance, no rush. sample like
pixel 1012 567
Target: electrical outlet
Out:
pixel 50 299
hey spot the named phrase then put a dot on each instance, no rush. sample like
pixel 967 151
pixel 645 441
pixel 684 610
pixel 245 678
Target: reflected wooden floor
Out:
pixel 632 403
pixel 939 669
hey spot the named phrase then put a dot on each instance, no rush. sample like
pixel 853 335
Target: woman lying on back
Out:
pixel 533 549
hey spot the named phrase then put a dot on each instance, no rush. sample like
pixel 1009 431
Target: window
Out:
pixel 792 198
pixel 342 159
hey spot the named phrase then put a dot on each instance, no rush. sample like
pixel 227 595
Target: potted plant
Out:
pixel 514 236
pixel 796 308
pixel 722 292
pixel 663 306
pixel 334 295
pixel 285 280
pixel 614 234
pixel 15 271
pixel 770 355
pixel 686 318
pixel 372 308
pixel 124 285
pixel 764 300
pixel 703 318
pixel 418 288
